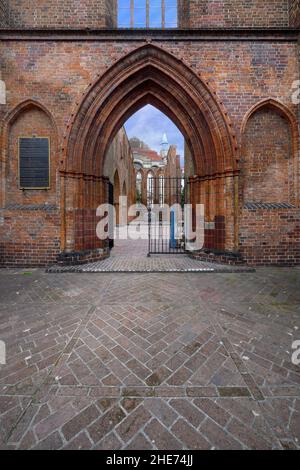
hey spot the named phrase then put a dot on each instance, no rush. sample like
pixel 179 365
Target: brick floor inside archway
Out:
pixel 131 256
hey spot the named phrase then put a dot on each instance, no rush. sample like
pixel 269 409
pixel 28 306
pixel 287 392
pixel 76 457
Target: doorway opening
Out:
pixel 148 165
pixel 147 75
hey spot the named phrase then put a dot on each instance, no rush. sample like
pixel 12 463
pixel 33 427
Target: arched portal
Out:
pixel 149 75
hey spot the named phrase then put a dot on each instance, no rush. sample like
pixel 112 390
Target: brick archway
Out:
pixel 148 75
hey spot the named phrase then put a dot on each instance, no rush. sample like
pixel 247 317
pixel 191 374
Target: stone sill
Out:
pixel 205 34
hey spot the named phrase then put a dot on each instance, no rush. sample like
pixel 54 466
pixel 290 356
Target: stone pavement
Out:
pixel 131 256
pixel 150 361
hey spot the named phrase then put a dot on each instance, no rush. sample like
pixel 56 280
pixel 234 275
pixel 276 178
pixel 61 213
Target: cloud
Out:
pixel 149 124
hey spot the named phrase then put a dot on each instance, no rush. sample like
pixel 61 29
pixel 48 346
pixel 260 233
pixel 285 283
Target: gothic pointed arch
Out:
pixel 289 142
pixel 29 117
pixel 150 75
pixel 17 111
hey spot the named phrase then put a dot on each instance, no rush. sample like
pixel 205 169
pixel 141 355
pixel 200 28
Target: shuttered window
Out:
pixel 34 163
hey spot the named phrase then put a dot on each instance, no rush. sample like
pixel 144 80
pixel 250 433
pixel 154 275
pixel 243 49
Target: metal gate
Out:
pixel 165 201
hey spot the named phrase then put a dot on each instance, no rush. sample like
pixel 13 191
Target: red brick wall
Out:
pixel 270 236
pixel 30 223
pixel 57 73
pixel 267 163
pixel 32 121
pixel 119 158
pixel 294 13
pixel 29 237
pixel 238 13
pixel 62 14
pixel 194 14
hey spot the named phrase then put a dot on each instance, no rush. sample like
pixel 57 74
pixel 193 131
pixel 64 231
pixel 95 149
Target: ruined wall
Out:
pixel 269 221
pixel 189 169
pixel 119 159
pixel 192 13
pixel 63 14
pixel 235 13
pixel 267 160
pixel 30 219
pixel 242 73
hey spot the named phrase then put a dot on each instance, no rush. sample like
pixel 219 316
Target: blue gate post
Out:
pixel 172 234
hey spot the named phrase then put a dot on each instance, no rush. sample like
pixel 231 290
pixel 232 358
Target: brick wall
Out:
pixel 189 169
pixel 63 14
pixel 294 11
pixel 270 236
pixel 237 13
pixel 57 73
pixel 32 121
pixel 267 163
pixel 30 219
pixel 4 15
pixel 29 236
pixel 119 159
pixel 194 14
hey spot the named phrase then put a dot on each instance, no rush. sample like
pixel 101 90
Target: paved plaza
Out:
pixel 150 360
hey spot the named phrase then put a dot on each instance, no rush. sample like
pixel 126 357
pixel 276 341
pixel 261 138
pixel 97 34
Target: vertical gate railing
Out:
pixel 166 198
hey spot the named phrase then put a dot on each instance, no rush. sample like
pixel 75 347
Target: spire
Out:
pixel 164 147
pixel 164 140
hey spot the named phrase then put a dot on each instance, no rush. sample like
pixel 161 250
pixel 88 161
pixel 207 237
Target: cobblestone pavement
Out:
pixel 131 256
pixel 150 361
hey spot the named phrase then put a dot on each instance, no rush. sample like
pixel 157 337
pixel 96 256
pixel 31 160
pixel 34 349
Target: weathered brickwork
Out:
pixel 269 175
pixel 243 146
pixel 192 14
pixel 29 236
pixel 120 171
pixel 119 158
pixel 270 236
pixel 4 15
pixel 237 13
pixel 62 14
pixel 294 13
pixel 268 162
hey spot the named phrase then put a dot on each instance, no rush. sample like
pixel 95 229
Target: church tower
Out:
pixel 164 147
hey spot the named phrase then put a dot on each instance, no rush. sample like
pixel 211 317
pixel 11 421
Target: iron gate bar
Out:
pixel 162 192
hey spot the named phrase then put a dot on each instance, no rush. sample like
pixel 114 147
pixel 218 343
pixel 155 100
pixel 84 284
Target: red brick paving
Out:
pixel 149 361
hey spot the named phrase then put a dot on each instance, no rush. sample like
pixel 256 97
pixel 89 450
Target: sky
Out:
pixel 149 125
pixel 155 14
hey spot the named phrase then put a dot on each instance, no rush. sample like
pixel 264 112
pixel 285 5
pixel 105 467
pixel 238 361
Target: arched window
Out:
pixel 147 14
pixel 150 189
